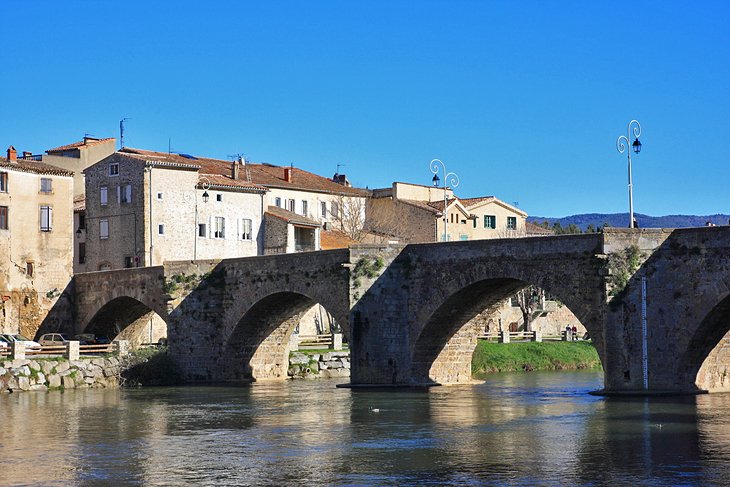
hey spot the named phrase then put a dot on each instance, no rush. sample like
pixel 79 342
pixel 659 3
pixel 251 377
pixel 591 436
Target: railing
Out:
pixel 71 350
pixel 332 341
pixel 534 336
pixel 32 157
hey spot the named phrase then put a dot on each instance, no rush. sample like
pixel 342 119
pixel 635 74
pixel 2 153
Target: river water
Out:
pixel 515 429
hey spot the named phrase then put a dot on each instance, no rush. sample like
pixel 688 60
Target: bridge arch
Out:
pixel 706 361
pixel 257 347
pixel 127 318
pixel 443 347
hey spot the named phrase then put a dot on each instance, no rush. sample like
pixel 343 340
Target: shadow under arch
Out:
pixel 258 347
pixel 705 351
pixel 443 351
pixel 128 319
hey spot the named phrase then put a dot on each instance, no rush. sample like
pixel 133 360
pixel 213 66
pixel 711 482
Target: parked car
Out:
pixel 20 338
pixel 53 340
pixel 91 339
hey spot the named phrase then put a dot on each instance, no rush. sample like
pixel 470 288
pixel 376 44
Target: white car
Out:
pixel 20 338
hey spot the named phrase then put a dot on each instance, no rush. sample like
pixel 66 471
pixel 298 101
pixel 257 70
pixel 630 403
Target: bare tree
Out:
pixel 348 214
pixel 530 299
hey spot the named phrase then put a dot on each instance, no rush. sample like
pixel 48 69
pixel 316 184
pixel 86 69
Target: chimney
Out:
pixel 235 169
pixel 12 154
pixel 287 174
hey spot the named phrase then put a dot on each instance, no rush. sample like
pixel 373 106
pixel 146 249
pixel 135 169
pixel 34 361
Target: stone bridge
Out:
pixel 409 311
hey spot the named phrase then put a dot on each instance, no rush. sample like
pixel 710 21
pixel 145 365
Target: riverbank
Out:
pixel 530 356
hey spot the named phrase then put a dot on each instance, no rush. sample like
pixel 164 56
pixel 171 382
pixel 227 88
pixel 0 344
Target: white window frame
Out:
pixel 511 219
pixel 219 227
pixel 291 205
pixel 113 169
pixel 103 229
pixel 305 207
pixel 124 194
pixel 323 209
pixel 277 202
pixel 46 213
pixel 246 229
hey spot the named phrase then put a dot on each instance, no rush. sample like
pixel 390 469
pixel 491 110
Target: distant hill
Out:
pixel 621 220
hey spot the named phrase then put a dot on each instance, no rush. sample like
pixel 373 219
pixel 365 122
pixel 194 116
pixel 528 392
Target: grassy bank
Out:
pixel 529 356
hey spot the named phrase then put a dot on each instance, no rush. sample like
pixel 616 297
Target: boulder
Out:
pixel 54 381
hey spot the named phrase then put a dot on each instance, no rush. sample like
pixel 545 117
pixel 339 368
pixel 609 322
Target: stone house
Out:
pixel 144 208
pixel 419 214
pixel 36 212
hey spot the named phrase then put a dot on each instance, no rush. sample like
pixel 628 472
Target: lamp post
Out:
pixel 203 184
pixel 622 144
pixel 449 178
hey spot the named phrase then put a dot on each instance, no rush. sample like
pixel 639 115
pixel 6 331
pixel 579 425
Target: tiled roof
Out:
pixel 82 144
pixel 79 203
pixel 334 239
pixel 264 175
pixel 34 167
pixel 469 202
pixel 532 229
pixel 220 181
pixel 424 205
pixel 273 177
pixel 162 159
pixel 291 217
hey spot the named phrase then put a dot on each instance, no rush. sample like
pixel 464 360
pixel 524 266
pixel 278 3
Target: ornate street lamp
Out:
pixel 449 178
pixel 622 144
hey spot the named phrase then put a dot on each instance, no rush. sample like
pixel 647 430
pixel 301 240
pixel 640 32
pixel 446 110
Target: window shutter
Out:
pixel 128 191
pixel 50 218
pixel 210 227
pixel 119 194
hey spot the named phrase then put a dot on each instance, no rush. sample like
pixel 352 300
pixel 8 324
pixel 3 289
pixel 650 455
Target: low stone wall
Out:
pixel 319 365
pixel 44 374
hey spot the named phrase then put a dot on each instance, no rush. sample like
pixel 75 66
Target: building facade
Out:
pixel 36 214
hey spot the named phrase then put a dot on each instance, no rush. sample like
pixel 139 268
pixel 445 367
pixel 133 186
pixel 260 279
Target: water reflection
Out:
pixel 517 429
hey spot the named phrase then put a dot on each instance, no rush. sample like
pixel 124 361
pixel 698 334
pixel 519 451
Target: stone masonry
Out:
pixel 411 309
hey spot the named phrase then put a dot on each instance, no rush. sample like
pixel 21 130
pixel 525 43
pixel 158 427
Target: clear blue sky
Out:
pixel 523 100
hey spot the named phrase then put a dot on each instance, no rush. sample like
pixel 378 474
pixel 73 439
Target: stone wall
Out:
pixel 58 373
pixel 318 365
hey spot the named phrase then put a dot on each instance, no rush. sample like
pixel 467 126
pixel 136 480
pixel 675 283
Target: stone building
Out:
pixel 144 208
pixel 415 214
pixel 36 212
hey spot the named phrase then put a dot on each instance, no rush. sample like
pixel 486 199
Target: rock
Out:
pixel 326 357
pixel 98 362
pixel 54 381
pixel 62 366
pixel 298 359
pixel 334 364
pixel 2 371
pixel 47 366
pixel 66 372
pixel 23 383
pixel 41 378
pixel 345 363
pixel 89 380
pixel 38 387
pixel 34 365
pixel 68 382
pixel 22 371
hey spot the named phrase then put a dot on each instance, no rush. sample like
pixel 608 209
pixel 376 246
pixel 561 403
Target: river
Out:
pixel 515 429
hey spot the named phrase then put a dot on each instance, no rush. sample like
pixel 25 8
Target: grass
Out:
pixel 529 356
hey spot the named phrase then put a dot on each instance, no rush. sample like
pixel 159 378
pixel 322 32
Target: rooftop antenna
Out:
pixel 339 165
pixel 121 132
pixel 169 145
pixel 516 204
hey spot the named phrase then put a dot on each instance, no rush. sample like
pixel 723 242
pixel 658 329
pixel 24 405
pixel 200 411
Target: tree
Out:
pixel 348 215
pixel 530 299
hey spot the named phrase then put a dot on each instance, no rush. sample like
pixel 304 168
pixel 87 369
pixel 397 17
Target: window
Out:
pixel 490 221
pixel 82 252
pixel 4 217
pixel 128 262
pixel 103 195
pixel 159 196
pixel 277 202
pixel 29 269
pixel 103 229
pixel 114 169
pixel 511 223
pixel 246 230
pixel 475 222
pixel 202 230
pixel 219 229
pixel 324 209
pixel 161 229
pixel 335 209
pixel 105 266
pixel 46 185
pixel 219 197
pixel 305 207
pixel 291 205
pixel 124 193
pixel 46 218
pixel 3 182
